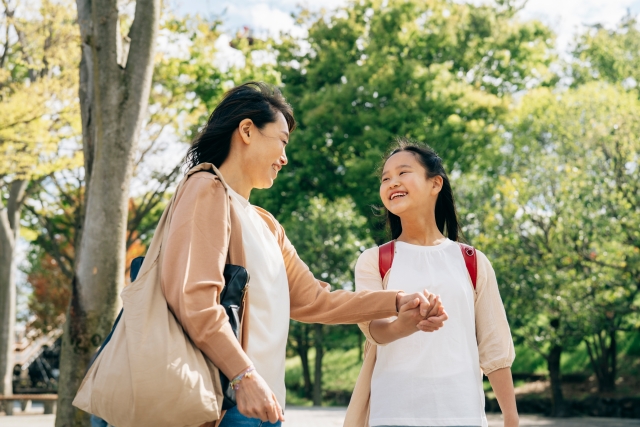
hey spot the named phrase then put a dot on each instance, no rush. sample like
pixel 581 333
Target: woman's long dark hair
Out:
pixel 446 215
pixel 257 101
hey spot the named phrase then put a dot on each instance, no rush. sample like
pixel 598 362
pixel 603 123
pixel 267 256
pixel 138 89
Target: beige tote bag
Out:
pixel 150 373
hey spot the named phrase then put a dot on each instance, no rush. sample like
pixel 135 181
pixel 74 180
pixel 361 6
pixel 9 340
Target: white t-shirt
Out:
pixel 431 379
pixel 268 297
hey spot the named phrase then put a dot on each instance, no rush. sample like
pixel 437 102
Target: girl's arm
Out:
pixel 495 346
pixel 502 384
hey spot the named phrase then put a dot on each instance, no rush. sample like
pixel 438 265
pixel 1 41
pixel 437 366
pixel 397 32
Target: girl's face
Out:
pixel 404 186
pixel 266 152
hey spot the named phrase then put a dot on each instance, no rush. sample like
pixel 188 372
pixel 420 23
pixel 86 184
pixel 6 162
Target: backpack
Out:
pixel 387 251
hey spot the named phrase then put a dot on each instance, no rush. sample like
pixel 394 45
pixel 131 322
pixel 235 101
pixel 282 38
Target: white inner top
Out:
pixel 433 378
pixel 268 297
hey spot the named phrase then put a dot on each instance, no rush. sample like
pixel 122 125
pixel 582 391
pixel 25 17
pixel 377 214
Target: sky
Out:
pixel 566 17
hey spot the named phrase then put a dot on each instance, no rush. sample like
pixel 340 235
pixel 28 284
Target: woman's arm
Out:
pixel 312 300
pixel 192 265
pixel 502 384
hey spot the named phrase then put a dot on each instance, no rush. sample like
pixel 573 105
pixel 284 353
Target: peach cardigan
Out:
pixel 201 240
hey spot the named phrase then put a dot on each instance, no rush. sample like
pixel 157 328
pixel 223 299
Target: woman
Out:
pixel 430 379
pixel 242 147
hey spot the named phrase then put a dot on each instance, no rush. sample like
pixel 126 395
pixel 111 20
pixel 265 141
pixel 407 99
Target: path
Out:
pixel 332 417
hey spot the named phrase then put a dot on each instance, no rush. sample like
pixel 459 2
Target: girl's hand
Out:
pixel 435 305
pixel 433 323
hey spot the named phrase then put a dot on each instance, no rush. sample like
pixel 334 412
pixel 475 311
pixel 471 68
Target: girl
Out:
pixel 430 379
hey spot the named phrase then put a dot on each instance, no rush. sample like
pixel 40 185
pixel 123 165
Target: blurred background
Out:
pixel 534 107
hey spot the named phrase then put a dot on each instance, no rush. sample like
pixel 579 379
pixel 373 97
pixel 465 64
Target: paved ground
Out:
pixel 331 417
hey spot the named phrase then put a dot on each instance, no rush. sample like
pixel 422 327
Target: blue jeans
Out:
pixel 98 422
pixel 233 418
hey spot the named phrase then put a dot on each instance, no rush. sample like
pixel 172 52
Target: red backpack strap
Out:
pixel 385 257
pixel 471 260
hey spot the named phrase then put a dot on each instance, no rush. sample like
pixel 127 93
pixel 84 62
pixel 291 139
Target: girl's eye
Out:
pixel 385 179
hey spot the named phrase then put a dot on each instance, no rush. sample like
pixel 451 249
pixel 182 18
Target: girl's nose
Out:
pixel 283 158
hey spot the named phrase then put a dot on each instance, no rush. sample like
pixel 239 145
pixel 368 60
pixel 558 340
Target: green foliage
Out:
pixel 340 371
pixel 562 228
pixel 609 55
pixel 196 80
pixel 437 71
pixel 39 117
pixel 329 236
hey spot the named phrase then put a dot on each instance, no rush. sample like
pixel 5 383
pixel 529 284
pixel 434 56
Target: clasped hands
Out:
pixel 419 311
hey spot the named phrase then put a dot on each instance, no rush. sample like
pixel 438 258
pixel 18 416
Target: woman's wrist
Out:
pixel 246 374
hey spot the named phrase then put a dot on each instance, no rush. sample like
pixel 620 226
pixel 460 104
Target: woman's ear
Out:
pixel 244 128
pixel 437 185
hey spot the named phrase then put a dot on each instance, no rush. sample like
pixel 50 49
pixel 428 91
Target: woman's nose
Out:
pixel 283 158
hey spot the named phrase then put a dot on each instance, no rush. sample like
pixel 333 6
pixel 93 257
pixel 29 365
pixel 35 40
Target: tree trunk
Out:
pixel 317 379
pixel 114 92
pixel 559 408
pixel 613 359
pixel 303 352
pixel 9 231
pixel 603 357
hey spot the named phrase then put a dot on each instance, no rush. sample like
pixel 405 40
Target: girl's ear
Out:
pixel 245 130
pixel 437 185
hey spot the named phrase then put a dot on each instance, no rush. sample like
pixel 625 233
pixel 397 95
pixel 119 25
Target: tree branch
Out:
pixel 143 33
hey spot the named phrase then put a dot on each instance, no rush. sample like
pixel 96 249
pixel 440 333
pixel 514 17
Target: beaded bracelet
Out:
pixel 235 383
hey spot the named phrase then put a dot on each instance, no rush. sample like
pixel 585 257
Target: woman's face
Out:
pixel 404 185
pixel 266 154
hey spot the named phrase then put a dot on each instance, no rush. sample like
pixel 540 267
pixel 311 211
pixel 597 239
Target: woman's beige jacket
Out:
pixel 495 345
pixel 192 274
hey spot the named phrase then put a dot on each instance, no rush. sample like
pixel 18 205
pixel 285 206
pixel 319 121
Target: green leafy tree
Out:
pixel 437 71
pixel 55 210
pixel 562 226
pixel 38 117
pixel 609 55
pixel 328 236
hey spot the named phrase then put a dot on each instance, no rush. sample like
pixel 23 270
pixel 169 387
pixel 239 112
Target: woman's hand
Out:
pixel 408 317
pixel 427 302
pixel 256 400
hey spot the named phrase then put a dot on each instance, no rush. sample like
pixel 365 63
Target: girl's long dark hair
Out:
pixel 257 101
pixel 446 215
